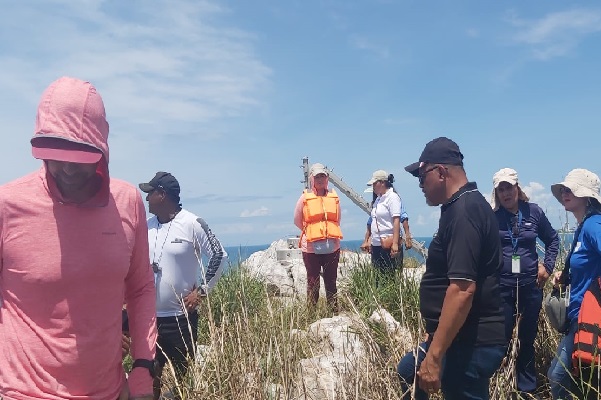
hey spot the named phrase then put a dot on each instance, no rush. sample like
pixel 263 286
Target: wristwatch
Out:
pixel 151 365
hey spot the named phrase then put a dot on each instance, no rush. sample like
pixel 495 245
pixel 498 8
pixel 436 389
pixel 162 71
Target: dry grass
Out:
pixel 253 346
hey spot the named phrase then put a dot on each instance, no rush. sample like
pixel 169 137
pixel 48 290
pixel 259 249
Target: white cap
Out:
pixel 318 168
pixel 379 175
pixel 510 176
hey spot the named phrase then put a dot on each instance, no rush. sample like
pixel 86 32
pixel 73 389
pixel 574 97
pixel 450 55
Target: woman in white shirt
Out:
pixel 387 216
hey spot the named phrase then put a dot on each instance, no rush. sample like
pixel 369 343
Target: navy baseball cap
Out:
pixel 441 150
pixel 164 181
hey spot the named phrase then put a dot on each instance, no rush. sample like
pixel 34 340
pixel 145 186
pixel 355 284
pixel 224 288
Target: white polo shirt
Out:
pixel 386 206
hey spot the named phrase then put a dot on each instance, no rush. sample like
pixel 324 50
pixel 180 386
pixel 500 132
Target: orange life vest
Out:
pixel 587 340
pixel 321 216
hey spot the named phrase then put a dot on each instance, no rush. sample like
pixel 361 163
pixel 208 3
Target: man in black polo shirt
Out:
pixel 459 292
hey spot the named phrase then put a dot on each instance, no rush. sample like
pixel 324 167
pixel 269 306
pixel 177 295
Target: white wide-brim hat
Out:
pixel 582 182
pixel 505 175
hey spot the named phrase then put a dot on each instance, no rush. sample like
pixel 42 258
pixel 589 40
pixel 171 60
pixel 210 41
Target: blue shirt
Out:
pixel 585 263
pixel 534 224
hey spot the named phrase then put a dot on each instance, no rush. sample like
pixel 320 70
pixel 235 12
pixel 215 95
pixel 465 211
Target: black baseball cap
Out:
pixel 164 181
pixel 441 150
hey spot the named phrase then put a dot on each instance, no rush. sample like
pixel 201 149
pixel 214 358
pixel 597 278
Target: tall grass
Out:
pixel 252 342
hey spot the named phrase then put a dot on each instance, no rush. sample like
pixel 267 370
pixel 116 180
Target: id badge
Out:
pixel 515 264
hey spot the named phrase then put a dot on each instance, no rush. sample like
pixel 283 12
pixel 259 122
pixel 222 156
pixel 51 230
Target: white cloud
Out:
pixel 538 194
pixel 556 34
pixel 471 32
pixel 428 219
pixel 259 212
pixel 169 61
pixel 363 43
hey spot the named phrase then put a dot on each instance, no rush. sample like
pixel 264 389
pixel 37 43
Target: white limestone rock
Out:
pixel 397 332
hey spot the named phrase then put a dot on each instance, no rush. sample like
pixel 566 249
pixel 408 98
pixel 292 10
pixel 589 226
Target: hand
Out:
pixel 192 300
pixel 555 279
pixel 543 275
pixel 366 247
pixel 394 250
pixel 408 242
pixel 125 343
pixel 429 374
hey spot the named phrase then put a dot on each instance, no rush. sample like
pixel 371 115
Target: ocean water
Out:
pixel 237 254
pixel 240 253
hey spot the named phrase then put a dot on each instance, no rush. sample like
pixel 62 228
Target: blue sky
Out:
pixel 230 95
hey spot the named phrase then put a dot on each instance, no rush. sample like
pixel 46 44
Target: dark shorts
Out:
pixel 177 340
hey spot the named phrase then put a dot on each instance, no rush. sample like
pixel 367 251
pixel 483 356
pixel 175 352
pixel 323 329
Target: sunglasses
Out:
pixel 422 177
pixel 564 189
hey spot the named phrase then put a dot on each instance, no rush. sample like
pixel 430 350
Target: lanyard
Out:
pixel 514 240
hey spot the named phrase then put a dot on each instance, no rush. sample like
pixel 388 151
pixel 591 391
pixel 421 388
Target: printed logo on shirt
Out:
pixel 178 240
pixel 107 233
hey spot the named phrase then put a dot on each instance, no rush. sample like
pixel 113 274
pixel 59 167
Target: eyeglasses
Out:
pixel 422 177
pixel 565 189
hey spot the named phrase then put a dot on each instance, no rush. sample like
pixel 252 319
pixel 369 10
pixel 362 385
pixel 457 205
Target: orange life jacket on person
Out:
pixel 587 340
pixel 321 216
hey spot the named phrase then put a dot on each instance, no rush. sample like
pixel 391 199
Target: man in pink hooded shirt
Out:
pixel 74 249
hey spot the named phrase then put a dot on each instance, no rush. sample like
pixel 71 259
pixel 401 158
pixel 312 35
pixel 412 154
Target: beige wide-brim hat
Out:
pixel 505 175
pixel 582 182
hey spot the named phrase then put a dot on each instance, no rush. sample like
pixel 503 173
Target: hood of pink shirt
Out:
pixel 72 109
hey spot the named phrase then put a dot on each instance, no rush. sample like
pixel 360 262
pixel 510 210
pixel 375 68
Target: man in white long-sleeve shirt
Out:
pixel 177 241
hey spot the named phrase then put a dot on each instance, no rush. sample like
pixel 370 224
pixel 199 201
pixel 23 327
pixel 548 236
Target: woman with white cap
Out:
pixel 317 215
pixel 579 194
pixel 523 276
pixel 387 216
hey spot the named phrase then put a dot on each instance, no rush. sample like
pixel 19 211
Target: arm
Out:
pixel 405 223
pixel 298 212
pixel 140 297
pixel 549 237
pixel 396 234
pixel 455 309
pixel 463 249
pixel 209 245
pixel 366 246
pixel 395 208
pixel 408 242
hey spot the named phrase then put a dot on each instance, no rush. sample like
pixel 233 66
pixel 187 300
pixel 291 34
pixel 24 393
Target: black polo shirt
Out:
pixel 466 246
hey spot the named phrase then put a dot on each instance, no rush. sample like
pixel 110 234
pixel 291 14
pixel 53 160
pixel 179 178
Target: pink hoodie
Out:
pixel 67 269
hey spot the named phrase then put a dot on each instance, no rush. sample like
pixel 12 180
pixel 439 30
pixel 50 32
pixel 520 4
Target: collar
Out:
pixel 386 193
pixel 467 188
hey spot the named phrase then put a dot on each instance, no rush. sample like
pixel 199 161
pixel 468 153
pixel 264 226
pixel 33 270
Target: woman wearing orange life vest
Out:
pixel 317 215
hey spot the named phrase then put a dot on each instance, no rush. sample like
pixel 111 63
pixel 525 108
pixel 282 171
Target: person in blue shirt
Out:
pixel 522 276
pixel 579 194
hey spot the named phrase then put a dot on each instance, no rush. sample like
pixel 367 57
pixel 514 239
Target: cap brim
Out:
pixel 146 187
pixel 413 169
pixel 511 181
pixel 54 148
pixel 74 156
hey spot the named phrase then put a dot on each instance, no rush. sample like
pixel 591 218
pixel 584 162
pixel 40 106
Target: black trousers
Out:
pixel 177 337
